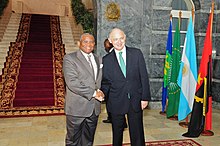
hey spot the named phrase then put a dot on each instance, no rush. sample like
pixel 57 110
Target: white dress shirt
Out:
pixel 123 54
pixel 92 60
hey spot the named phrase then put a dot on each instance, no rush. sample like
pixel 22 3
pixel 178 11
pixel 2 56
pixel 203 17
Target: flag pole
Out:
pixel 207 132
pixel 186 123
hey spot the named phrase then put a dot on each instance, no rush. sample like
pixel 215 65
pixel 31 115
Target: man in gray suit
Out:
pixel 83 73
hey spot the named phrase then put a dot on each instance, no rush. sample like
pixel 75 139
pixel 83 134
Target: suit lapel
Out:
pixel 117 65
pixel 84 62
pixel 128 61
pixel 98 65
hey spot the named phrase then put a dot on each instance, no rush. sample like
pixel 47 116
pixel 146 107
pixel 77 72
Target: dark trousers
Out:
pixel 136 130
pixel 108 113
pixel 80 130
pixel 109 116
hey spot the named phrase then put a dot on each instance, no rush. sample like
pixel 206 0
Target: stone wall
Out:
pixel 146 25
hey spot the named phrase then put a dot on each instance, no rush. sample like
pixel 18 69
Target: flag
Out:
pixel 188 74
pixel 203 93
pixel 167 66
pixel 208 120
pixel 173 87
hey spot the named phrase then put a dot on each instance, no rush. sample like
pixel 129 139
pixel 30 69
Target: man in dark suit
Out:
pixel 108 48
pixel 83 73
pixel 125 79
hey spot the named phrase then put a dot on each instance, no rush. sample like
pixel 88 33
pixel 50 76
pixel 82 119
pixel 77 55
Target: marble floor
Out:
pixel 50 130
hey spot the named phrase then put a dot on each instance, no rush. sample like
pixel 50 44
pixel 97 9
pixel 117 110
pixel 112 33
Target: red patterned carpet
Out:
pixel 35 82
pixel 180 142
pixel 32 82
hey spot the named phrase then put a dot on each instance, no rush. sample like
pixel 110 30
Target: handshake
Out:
pixel 99 95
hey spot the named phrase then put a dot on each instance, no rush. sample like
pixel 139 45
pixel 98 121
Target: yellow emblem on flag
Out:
pixel 185 70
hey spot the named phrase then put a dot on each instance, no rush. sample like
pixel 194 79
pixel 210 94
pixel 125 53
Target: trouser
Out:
pixel 136 130
pixel 80 130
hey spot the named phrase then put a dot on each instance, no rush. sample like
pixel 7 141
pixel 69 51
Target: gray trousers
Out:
pixel 80 130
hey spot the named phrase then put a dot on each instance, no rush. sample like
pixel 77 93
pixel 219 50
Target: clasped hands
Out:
pixel 99 95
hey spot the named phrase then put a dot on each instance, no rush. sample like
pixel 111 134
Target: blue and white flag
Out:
pixel 187 78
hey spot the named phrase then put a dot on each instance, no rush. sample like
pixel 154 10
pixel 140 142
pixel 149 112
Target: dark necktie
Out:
pixel 90 63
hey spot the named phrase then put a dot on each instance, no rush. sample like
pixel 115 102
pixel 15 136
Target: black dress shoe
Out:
pixel 107 121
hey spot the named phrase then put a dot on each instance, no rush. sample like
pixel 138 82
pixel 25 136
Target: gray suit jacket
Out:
pixel 80 85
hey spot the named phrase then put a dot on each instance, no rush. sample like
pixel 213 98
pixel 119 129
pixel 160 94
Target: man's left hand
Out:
pixel 144 104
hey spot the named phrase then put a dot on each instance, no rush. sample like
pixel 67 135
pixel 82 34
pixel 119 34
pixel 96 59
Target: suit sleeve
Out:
pixel 146 96
pixel 105 84
pixel 72 81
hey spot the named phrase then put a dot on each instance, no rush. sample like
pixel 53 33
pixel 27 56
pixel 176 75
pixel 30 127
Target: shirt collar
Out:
pixel 86 55
pixel 123 50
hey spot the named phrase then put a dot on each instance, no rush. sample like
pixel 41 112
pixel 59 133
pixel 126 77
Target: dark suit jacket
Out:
pixel 135 85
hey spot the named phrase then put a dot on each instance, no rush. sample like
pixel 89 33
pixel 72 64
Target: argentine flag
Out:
pixel 187 77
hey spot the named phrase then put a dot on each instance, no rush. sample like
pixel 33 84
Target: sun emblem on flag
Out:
pixel 185 70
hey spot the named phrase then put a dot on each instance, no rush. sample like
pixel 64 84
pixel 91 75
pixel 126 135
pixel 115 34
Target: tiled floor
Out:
pixel 50 130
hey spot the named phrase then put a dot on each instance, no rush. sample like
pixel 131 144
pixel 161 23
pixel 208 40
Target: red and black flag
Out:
pixel 202 99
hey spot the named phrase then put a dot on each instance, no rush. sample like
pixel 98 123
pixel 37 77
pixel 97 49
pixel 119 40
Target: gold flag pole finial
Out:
pixel 212 13
pixel 171 16
pixel 213 6
pixel 193 14
pixel 180 15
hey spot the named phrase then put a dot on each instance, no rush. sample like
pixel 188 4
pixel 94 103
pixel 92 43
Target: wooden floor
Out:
pixel 50 130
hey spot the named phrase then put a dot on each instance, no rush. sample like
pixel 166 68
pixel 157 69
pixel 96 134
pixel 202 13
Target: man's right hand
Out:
pixel 99 95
